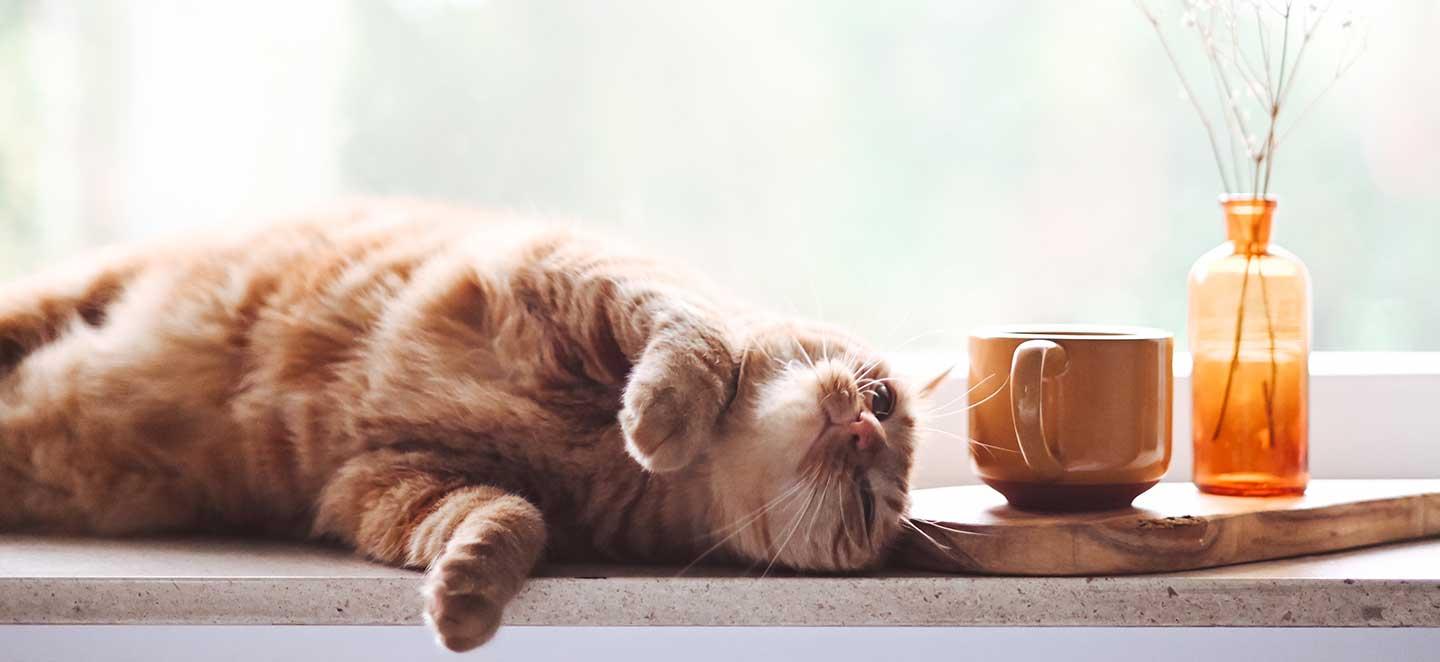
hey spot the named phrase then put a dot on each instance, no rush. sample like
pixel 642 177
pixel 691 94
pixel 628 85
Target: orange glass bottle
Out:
pixel 1250 343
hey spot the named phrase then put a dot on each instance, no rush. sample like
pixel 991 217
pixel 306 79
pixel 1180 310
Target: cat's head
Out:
pixel 812 468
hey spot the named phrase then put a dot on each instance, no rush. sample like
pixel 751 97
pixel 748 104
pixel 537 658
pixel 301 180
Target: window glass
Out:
pixel 907 169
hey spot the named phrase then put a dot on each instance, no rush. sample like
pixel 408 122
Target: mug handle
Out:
pixel 1027 368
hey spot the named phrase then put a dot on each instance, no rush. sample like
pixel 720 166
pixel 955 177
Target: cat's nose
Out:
pixel 866 432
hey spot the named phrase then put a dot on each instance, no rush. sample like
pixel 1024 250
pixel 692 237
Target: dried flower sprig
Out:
pixel 1244 82
pixel 1240 78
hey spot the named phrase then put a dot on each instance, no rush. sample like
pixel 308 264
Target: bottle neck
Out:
pixel 1247 222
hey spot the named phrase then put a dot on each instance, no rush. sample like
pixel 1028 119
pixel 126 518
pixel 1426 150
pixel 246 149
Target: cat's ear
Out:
pixel 930 386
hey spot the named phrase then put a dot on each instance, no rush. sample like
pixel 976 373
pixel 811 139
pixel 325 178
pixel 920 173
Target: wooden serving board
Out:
pixel 1172 527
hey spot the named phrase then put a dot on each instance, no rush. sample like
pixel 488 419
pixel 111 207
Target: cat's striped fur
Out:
pixel 440 390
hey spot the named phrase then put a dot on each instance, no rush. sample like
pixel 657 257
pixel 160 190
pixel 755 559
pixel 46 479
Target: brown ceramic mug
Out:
pixel 1070 417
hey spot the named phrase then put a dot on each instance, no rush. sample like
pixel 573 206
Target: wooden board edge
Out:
pixel 1197 542
pixel 1431 517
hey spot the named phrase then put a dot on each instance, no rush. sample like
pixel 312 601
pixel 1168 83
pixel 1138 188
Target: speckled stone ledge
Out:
pixel 75 581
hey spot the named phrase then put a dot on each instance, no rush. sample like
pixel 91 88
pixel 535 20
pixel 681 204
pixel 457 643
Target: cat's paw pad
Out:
pixel 461 618
pixel 671 409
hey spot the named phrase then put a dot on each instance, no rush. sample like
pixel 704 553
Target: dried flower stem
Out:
pixel 1267 154
pixel 1234 356
pixel 1273 92
pixel 1189 93
pixel 1269 389
pixel 1272 86
pixel 1264 50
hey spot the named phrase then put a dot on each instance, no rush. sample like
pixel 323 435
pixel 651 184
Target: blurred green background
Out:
pixel 904 168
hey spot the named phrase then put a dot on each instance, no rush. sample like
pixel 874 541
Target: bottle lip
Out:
pixel 1227 199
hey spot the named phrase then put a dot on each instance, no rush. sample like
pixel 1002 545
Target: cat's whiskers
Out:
pixel 881 380
pixel 758 511
pixel 964 395
pixel 822 491
pixel 746 525
pixel 845 521
pixel 865 534
pixel 820 507
pixel 899 322
pixel 998 390
pixel 760 347
pixel 989 450
pixel 867 385
pixel 865 368
pixel 915 337
pixel 747 521
pixel 795 526
pixel 809 360
pixel 957 437
pixel 937 417
pixel 850 489
pixel 915 528
pixel 931 522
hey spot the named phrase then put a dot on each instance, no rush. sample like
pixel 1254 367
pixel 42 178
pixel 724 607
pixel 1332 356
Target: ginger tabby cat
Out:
pixel 445 391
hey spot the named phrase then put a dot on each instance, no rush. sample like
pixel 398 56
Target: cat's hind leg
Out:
pixel 478 543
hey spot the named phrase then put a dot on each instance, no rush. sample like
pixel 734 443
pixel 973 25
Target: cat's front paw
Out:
pixel 673 404
pixel 459 611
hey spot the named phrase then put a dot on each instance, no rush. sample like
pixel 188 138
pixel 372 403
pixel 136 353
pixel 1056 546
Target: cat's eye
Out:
pixel 882 402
